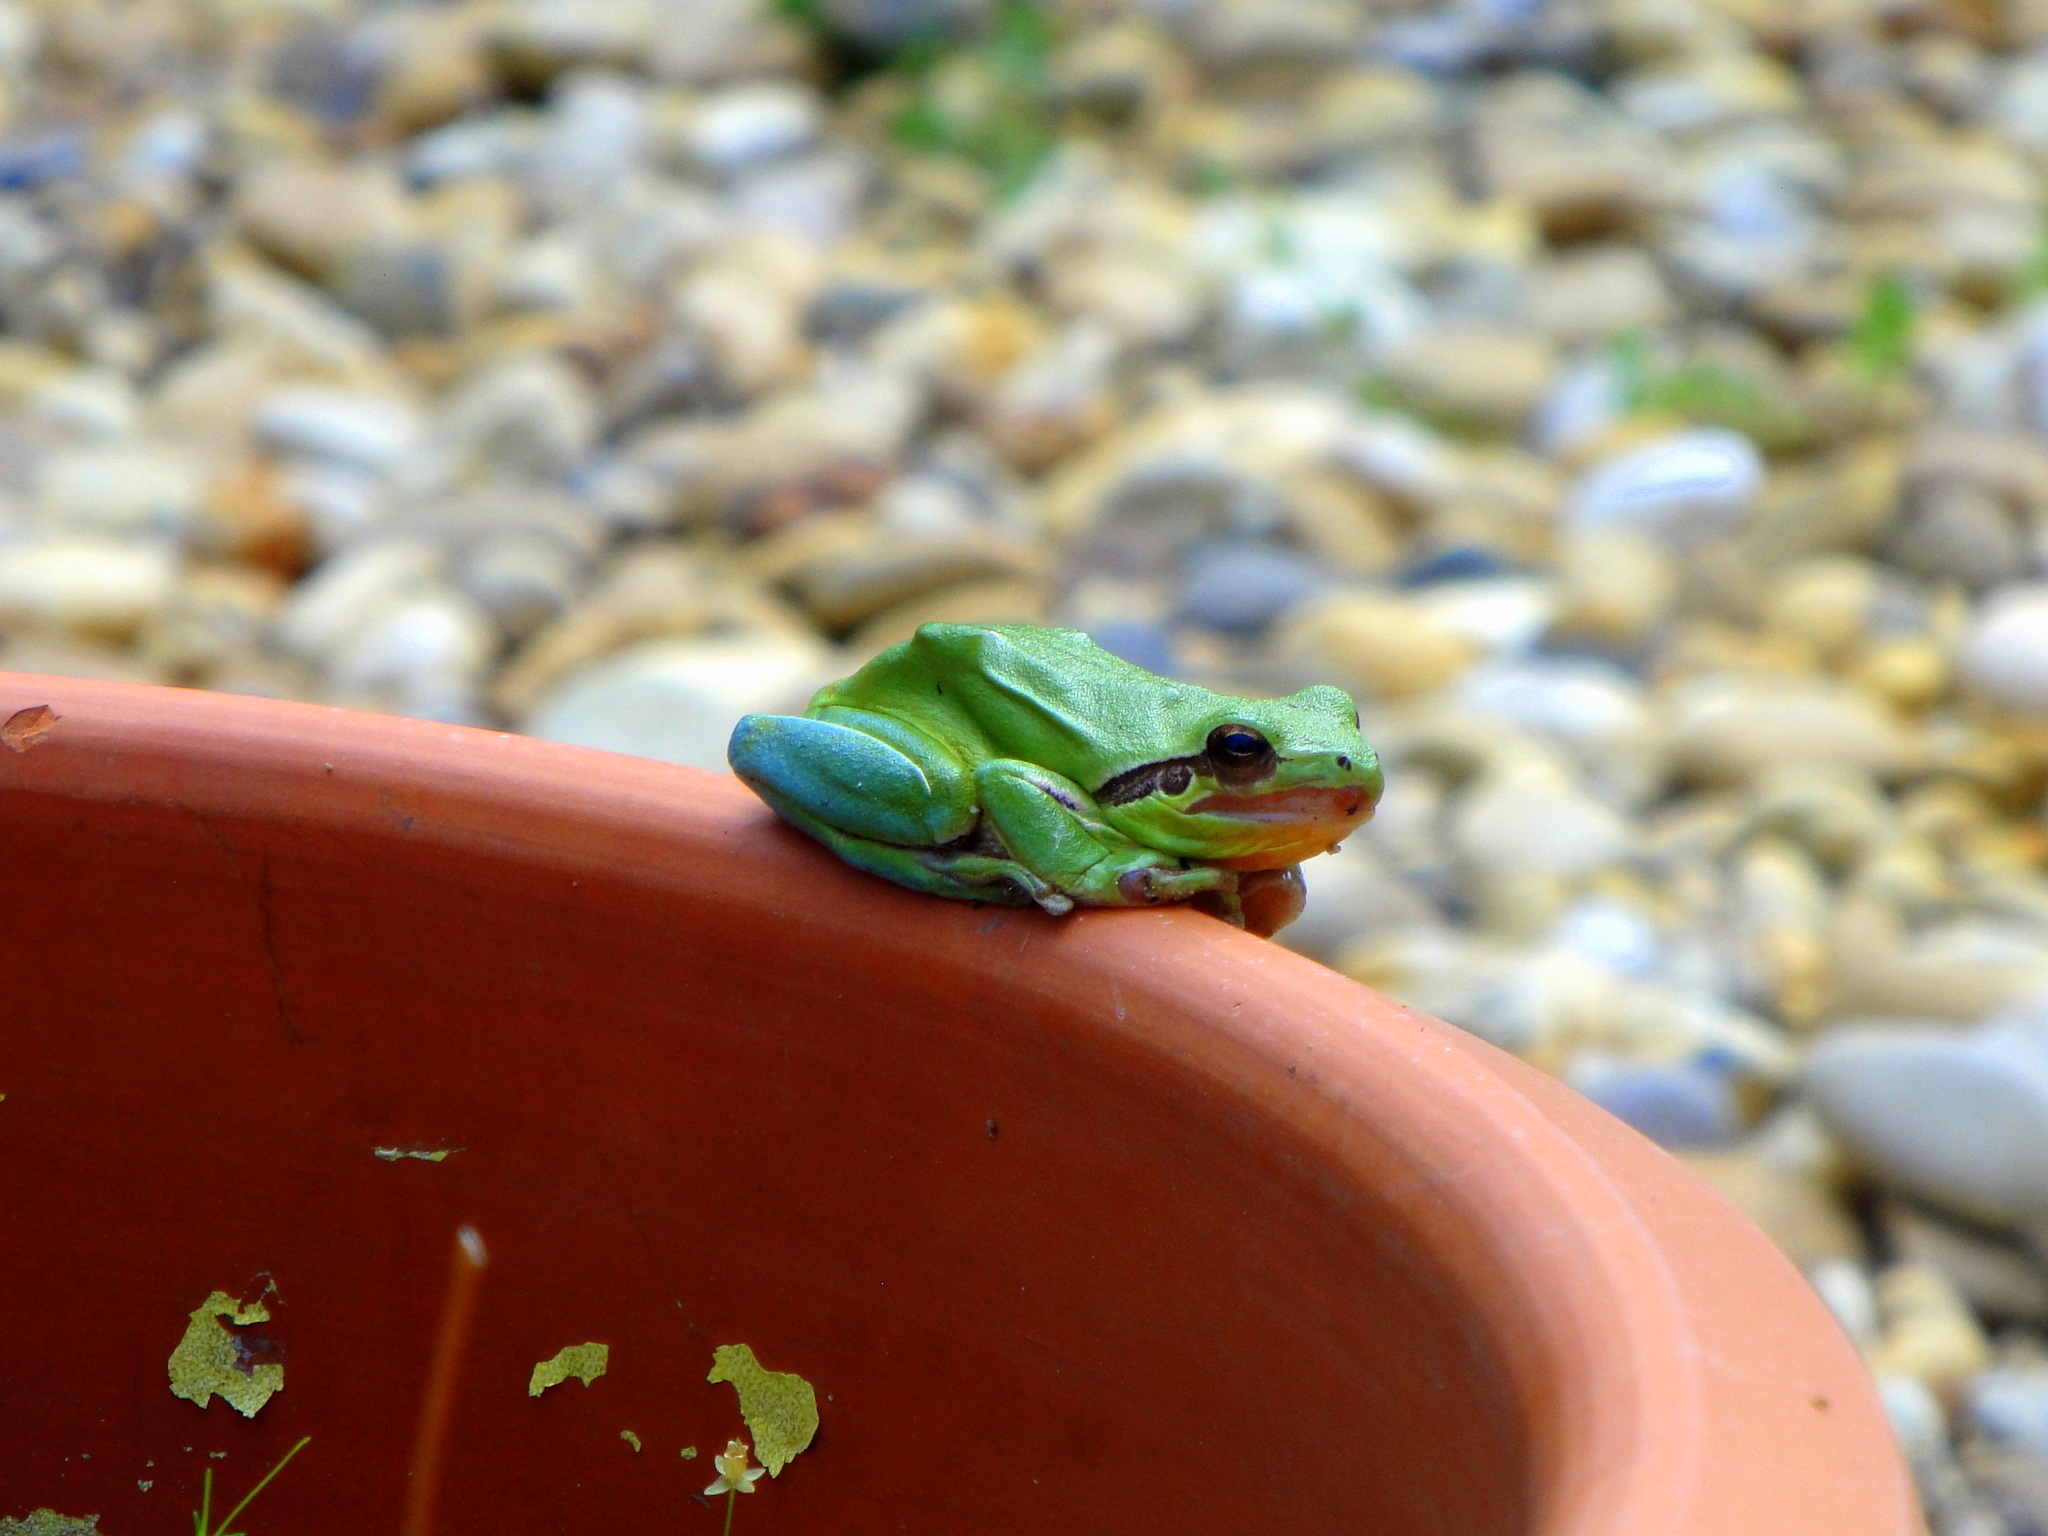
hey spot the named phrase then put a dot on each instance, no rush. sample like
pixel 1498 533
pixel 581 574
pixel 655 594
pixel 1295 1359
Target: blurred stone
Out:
pixel 426 651
pixel 1959 1120
pixel 678 700
pixel 367 430
pixel 2008 1406
pixel 1527 817
pixel 1675 1104
pixel 1997 1277
pixel 344 595
pixel 1729 728
pixel 1964 532
pixel 734 127
pixel 655 590
pixel 886 24
pixel 131 490
pixel 93 586
pixel 1928 1333
pixel 1617 587
pixel 1378 646
pixel 1682 488
pixel 1473 373
pixel 1353 895
pixel 2006 653
pixel 532 415
pixel 521 579
pixel 1598 293
pixel 1241 589
pixel 312 216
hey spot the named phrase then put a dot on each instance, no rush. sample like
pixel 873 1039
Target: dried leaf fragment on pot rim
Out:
pixel 210 1360
pixel 780 1407
pixel 586 1362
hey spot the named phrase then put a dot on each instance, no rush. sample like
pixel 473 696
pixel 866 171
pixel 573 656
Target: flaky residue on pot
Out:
pixel 780 1407
pixel 212 1361
pixel 27 727
pixel 47 1522
pixel 421 1154
pixel 585 1362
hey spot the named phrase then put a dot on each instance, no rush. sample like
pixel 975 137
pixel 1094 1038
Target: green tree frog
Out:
pixel 1013 764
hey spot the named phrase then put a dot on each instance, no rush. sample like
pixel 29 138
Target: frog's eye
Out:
pixel 1238 746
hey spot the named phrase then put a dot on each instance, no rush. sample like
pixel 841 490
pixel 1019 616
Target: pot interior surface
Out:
pixel 1045 1274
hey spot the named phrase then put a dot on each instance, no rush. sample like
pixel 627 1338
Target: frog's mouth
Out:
pixel 1310 804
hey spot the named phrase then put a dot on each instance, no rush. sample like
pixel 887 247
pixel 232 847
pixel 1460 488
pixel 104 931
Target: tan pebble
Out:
pixel 1840 503
pixel 1908 877
pixel 246 515
pixel 95 587
pixel 963 347
pixel 79 656
pixel 1599 293
pixel 1141 299
pixel 217 619
pixel 1617 586
pixel 1911 673
pixel 1962 970
pixel 853 584
pixel 998 601
pixel 1836 813
pixel 1732 727
pixel 1344 521
pixel 1054 401
pixel 439 66
pixel 310 215
pixel 1473 374
pixel 1928 1332
pixel 1995 1275
pixel 651 592
pixel 1823 601
pixel 1378 645
pixel 1782 929
pixel 1527 817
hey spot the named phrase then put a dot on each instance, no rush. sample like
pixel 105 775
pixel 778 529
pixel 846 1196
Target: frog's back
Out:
pixel 1049 696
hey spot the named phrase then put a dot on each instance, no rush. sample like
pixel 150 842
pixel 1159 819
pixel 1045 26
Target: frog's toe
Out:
pixel 1138 888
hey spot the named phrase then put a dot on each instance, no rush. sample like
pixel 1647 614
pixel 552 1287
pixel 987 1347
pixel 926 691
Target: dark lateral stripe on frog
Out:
pixel 1171 777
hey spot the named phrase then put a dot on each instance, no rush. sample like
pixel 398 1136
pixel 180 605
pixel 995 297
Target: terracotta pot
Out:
pixel 1125 1223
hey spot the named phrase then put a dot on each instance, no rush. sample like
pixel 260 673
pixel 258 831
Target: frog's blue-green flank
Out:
pixel 1014 764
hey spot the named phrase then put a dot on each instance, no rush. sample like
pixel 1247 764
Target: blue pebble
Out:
pixel 1239 589
pixel 1674 1103
pixel 1141 644
pixel 38 161
pixel 1466 564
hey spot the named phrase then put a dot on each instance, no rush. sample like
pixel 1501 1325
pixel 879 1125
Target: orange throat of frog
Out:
pixel 1303 822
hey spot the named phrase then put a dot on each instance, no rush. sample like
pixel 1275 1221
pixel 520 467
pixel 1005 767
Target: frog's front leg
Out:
pixel 1050 827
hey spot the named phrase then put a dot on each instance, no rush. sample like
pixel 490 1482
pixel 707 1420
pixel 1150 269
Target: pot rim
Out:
pixel 1678 1377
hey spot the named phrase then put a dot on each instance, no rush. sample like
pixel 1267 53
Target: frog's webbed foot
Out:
pixel 1270 899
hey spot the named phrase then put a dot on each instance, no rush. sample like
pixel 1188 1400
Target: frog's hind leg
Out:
pixel 962 875
pixel 858 775
pixel 884 799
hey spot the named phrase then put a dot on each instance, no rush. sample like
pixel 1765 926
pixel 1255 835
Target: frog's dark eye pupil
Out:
pixel 1236 744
